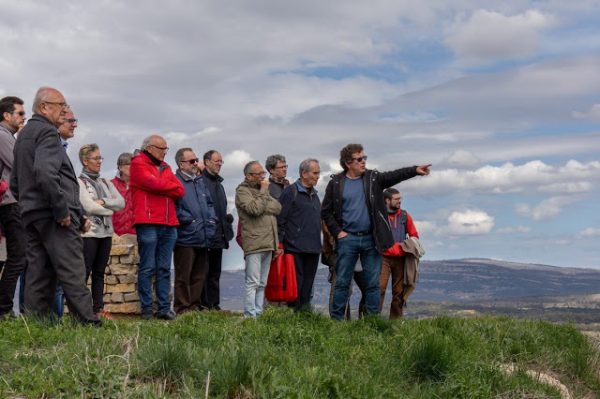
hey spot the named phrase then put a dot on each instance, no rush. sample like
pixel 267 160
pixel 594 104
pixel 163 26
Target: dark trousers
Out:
pixel 55 253
pixel 211 294
pixel 10 217
pixel 395 267
pixel 306 269
pixel 96 253
pixel 191 268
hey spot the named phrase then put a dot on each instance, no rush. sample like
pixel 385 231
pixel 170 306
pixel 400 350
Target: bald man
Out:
pixel 45 185
pixel 154 190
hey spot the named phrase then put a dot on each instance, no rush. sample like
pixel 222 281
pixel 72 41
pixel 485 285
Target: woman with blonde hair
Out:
pixel 100 199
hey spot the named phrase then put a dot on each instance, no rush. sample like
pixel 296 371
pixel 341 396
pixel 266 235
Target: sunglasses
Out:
pixel 192 161
pixel 360 159
pixel 21 113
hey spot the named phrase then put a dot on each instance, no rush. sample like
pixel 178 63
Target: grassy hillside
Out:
pixel 294 356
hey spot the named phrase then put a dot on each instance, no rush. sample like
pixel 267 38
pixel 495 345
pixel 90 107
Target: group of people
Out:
pixel 59 226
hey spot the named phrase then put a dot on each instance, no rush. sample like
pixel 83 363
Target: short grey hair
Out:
pixel 272 160
pixel 249 166
pixel 305 165
pixel 147 140
pixel 179 154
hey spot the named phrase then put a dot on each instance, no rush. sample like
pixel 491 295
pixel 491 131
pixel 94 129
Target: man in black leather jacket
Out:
pixel 355 214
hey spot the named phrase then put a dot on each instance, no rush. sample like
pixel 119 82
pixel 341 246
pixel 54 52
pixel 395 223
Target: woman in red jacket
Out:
pixel 123 220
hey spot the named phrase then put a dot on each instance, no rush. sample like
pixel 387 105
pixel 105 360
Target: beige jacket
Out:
pixel 414 251
pixel 257 211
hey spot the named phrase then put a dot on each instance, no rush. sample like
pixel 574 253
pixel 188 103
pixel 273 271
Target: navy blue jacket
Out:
pixel 196 213
pixel 299 223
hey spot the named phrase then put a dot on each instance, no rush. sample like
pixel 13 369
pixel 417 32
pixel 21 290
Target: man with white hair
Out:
pixel 154 190
pixel 45 185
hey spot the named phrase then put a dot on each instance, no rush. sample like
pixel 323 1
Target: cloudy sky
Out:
pixel 503 98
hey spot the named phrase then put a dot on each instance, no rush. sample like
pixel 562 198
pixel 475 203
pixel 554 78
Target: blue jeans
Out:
pixel 58 306
pixel 156 244
pixel 348 251
pixel 257 272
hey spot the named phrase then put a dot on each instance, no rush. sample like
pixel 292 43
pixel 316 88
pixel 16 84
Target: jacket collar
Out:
pixel 217 178
pixel 147 159
pixel 302 189
pixel 185 176
pixel 9 129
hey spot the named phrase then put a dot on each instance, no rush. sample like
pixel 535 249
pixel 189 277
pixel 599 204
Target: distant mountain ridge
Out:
pixel 460 281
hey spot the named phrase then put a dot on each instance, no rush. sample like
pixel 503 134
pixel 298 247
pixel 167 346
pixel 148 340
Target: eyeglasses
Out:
pixel 281 167
pixel 71 121
pixel 192 161
pixel 160 148
pixel 62 105
pixel 21 113
pixel 360 159
pixel 219 161
pixel 257 173
pixel 97 159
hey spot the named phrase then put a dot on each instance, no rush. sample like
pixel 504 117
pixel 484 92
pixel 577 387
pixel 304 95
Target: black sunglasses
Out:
pixel 360 159
pixel 192 161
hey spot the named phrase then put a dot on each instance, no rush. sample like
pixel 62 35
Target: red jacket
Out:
pixel 154 190
pixel 123 219
pixel 396 250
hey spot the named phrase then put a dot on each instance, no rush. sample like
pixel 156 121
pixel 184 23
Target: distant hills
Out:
pixel 463 281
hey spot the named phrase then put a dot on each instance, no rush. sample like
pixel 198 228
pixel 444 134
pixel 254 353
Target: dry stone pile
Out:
pixel 120 280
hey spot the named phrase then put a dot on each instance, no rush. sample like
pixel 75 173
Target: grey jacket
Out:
pixel 7 144
pixel 100 215
pixel 43 180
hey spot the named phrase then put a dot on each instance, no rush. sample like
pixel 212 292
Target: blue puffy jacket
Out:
pixel 196 213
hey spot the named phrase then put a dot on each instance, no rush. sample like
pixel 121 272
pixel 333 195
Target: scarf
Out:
pixel 94 180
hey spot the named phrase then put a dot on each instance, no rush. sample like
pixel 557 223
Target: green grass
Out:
pixel 286 355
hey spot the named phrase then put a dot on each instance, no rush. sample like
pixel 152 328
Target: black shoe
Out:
pixel 166 316
pixel 147 315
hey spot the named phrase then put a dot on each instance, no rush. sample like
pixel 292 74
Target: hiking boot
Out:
pixel 147 315
pixel 166 316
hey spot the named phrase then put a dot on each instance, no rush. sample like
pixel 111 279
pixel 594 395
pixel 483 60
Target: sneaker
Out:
pixel 166 316
pixel 105 314
pixel 147 315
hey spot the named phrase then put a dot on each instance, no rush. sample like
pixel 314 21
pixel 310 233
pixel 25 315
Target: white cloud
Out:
pixel 490 36
pixel 462 159
pixel 590 232
pixel 237 159
pixel 470 222
pixel 592 114
pixel 566 187
pixel 547 209
pixel 571 177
